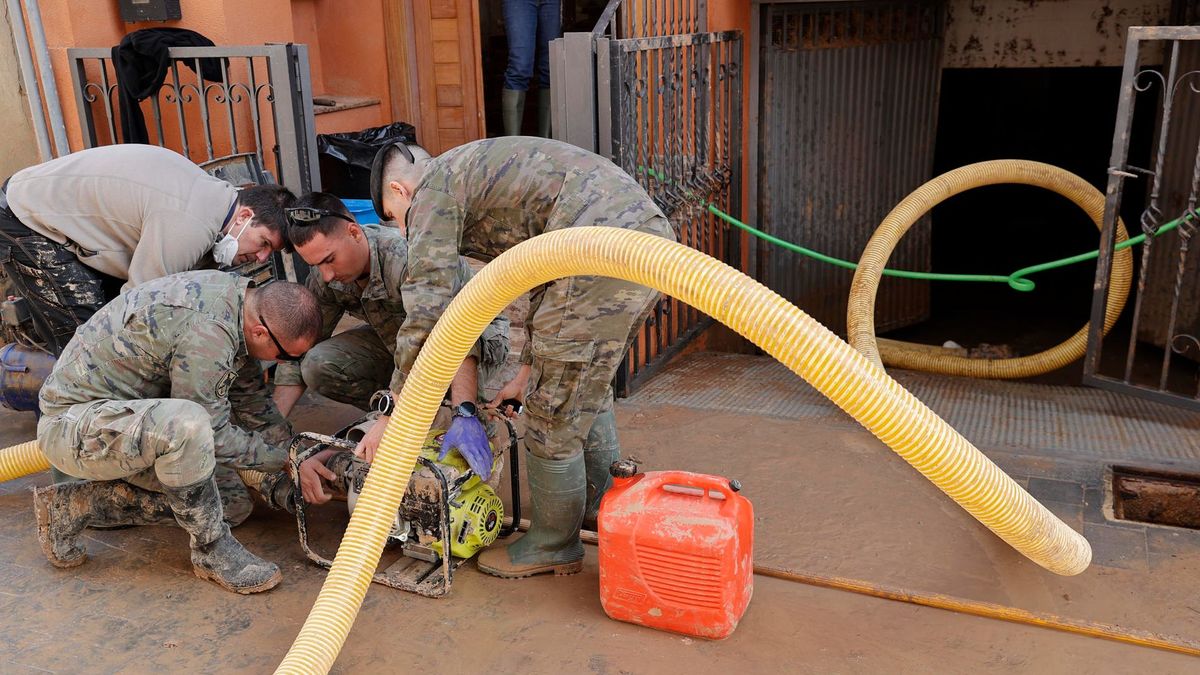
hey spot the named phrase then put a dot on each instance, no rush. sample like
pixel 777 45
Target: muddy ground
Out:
pixel 829 499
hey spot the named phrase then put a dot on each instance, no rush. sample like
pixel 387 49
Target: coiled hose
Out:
pixel 810 350
pixel 860 313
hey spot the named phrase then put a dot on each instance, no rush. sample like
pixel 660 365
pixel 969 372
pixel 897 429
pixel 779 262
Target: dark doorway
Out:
pixel 1061 116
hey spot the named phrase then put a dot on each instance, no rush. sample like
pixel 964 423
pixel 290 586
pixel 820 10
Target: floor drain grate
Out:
pixel 1156 497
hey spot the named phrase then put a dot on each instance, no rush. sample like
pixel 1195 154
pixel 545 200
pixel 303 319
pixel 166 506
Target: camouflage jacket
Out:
pixel 178 336
pixel 483 198
pixel 380 303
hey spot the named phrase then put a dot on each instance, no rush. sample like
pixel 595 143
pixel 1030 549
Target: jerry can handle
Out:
pixel 723 486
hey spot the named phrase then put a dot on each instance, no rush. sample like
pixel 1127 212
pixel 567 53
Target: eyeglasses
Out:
pixel 307 215
pixel 283 353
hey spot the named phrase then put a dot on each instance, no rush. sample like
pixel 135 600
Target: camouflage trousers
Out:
pixel 354 364
pixel 580 329
pixel 61 291
pixel 149 443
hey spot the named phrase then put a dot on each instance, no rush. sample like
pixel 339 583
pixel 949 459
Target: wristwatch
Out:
pixel 465 409
pixel 383 402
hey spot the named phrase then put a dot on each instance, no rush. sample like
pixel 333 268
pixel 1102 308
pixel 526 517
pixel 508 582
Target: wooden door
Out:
pixel 434 69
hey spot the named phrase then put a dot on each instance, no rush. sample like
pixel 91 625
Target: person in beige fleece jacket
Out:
pixel 76 230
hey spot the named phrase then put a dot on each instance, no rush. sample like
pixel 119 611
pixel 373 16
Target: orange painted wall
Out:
pixel 305 31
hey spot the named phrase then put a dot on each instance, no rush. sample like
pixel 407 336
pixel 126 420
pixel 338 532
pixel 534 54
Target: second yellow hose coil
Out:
pixel 860 313
pixel 810 350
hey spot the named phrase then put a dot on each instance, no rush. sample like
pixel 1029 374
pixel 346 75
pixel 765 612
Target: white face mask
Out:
pixel 225 251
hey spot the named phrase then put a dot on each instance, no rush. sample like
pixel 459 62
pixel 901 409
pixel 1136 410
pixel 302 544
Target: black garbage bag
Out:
pixel 345 158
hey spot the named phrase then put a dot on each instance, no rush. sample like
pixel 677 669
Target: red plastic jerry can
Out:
pixel 675 552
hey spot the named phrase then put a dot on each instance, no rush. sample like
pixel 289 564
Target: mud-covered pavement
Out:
pixel 829 499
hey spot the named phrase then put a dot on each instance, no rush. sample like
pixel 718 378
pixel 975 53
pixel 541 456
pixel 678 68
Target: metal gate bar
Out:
pixel 652 90
pixel 676 125
pixel 261 104
pixel 1167 268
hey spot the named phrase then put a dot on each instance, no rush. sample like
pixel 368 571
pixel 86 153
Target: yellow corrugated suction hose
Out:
pixel 856 385
pixel 26 458
pixel 860 315
pixel 810 350
pixel 21 460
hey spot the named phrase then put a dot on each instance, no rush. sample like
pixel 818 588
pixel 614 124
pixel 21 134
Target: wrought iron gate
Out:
pixel 262 104
pixel 1166 303
pixel 663 99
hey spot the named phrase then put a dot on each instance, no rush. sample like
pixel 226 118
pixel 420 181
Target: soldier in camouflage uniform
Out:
pixel 157 395
pixel 479 200
pixel 359 270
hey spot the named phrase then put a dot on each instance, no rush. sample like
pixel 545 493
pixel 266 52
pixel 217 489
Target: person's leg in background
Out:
pixel 520 28
pixel 112 442
pixel 349 367
pixel 581 332
pixel 549 27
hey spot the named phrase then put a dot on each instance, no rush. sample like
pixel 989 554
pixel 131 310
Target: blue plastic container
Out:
pixel 22 372
pixel 362 210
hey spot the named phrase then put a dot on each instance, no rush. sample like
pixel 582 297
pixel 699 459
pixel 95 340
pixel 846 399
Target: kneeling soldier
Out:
pixel 146 404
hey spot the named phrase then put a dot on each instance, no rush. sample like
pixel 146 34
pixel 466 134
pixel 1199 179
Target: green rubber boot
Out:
pixel 600 450
pixel 558 492
pixel 512 109
pixel 63 511
pixel 216 554
pixel 543 128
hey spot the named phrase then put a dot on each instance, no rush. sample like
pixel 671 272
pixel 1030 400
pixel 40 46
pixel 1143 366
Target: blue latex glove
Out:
pixel 468 436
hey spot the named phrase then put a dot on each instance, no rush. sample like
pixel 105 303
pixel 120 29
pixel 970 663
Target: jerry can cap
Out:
pixel 624 468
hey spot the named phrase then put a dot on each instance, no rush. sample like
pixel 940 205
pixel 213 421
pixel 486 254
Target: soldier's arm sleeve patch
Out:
pixel 224 383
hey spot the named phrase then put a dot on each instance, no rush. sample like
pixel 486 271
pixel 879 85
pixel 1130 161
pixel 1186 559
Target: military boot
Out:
pixel 558 492
pixel 512 109
pixel 63 511
pixel 543 128
pixel 600 450
pixel 216 555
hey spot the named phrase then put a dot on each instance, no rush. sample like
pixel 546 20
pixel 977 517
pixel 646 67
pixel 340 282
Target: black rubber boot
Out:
pixel 558 492
pixel 216 555
pixel 600 450
pixel 63 511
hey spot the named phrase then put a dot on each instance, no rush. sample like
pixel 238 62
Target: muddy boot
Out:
pixel 134 506
pixel 558 492
pixel 512 110
pixel 216 555
pixel 65 509
pixel 543 128
pixel 600 450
